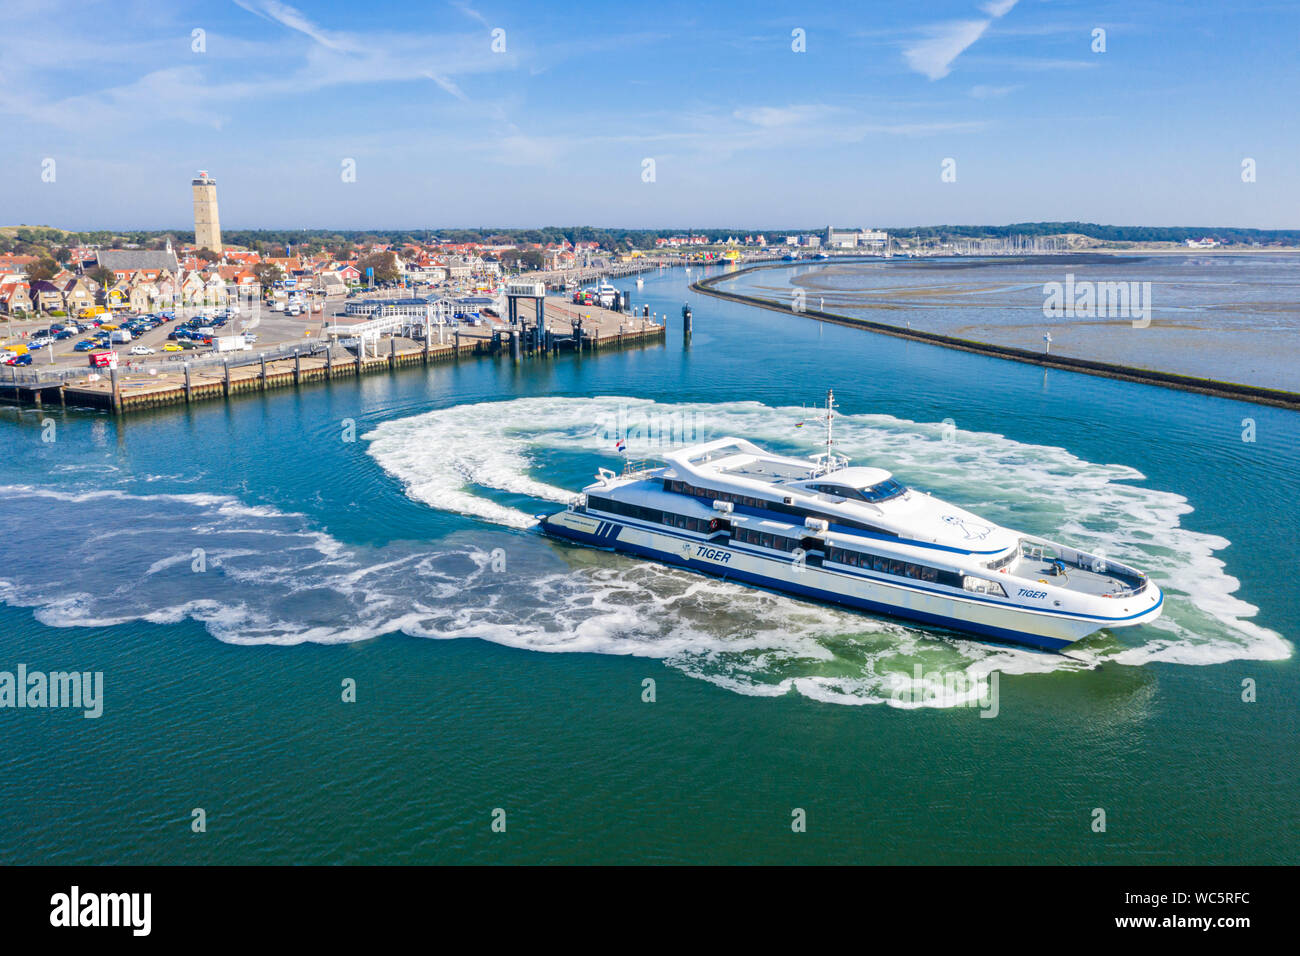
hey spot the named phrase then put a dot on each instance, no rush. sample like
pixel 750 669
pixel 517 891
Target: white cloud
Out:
pixel 998 8
pixel 770 117
pixel 984 92
pixel 294 19
pixel 933 56
pixel 469 11
pixel 447 85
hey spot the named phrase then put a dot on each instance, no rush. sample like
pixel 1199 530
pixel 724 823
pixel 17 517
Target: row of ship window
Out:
pixel 680 487
pixel 613 506
pixel 764 539
pixel 874 562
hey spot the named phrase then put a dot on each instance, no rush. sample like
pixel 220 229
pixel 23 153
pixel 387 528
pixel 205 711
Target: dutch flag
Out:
pixel 621 446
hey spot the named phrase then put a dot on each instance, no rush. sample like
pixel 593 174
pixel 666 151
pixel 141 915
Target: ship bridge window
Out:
pixel 881 491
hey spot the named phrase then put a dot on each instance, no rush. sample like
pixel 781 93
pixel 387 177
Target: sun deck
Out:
pixel 1111 582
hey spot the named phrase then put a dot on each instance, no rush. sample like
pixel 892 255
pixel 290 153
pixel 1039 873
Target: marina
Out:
pixel 347 351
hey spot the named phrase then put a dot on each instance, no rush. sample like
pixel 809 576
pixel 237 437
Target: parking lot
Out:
pixel 255 319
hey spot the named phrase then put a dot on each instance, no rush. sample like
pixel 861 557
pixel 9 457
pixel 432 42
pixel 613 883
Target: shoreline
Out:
pixel 1257 394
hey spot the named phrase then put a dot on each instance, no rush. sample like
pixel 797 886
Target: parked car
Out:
pixel 172 347
pixel 20 360
pixel 84 346
pixel 141 350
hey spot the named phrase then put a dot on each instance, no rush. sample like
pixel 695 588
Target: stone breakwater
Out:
pixel 1188 383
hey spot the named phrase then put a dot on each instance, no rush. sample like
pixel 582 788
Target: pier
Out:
pixel 566 328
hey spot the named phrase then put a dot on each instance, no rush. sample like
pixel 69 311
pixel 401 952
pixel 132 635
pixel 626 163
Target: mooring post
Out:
pixel 117 395
pixel 225 364
pixel 686 325
pixel 361 350
pixel 514 346
pixel 262 356
pixel 329 361
pixel 297 368
pixel 392 352
pixel 189 396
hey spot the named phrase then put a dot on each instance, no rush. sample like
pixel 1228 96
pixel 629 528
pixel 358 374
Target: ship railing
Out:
pixel 578 502
pixel 828 463
pixel 636 469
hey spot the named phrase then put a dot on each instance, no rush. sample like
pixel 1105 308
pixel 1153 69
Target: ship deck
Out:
pixel 1082 580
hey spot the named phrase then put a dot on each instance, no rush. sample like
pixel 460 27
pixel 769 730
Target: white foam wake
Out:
pixel 1038 488
pixel 271 576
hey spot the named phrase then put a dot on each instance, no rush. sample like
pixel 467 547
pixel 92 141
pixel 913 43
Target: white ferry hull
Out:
pixel 914 601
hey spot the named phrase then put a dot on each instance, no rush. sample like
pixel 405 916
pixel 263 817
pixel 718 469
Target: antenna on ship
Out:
pixel 830 421
pixel 828 461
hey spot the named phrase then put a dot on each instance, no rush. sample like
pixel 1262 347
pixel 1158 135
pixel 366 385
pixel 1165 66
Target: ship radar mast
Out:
pixel 830 420
pixel 828 461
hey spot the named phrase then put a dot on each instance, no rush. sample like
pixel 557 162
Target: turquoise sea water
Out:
pixel 495 669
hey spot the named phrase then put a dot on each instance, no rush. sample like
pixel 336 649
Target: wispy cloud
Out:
pixel 447 84
pixel 771 117
pixel 998 8
pixel 470 12
pixel 294 19
pixel 933 56
pixel 982 91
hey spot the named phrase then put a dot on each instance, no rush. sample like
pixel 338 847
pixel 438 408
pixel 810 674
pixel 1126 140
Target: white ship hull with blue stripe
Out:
pixel 857 538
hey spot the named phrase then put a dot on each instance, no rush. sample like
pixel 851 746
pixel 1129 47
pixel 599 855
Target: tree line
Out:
pixel 349 244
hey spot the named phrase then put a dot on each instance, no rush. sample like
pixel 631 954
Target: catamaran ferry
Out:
pixel 857 537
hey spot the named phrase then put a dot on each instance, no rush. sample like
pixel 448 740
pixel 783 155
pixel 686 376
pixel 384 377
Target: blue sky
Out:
pixel 743 130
